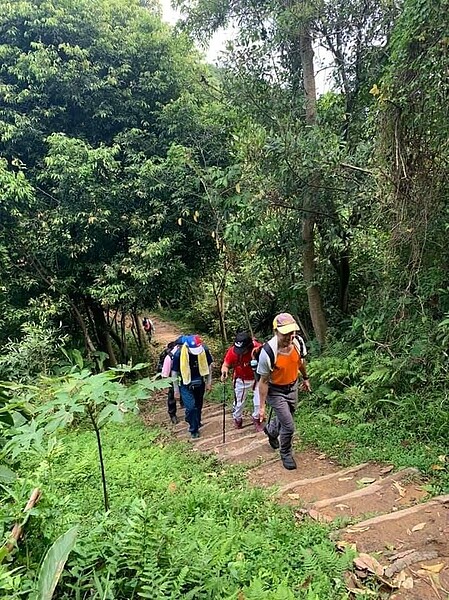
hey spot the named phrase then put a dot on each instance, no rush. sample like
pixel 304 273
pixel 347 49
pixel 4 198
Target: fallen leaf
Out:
pixel 172 487
pixel 442 458
pixel 317 516
pixel 343 545
pixel 399 488
pixel 321 456
pixel 357 529
pixel 418 527
pixel 437 467
pixel 294 496
pixel 433 568
pixel 407 584
pixel 346 478
pixel 369 563
pixel 386 470
pixel 341 506
pixel 366 480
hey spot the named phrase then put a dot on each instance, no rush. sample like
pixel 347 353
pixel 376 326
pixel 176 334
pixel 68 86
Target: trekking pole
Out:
pixel 224 412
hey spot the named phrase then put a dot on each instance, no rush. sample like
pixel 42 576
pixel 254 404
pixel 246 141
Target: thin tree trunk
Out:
pixel 79 317
pixel 308 223
pixel 141 334
pixel 100 456
pixel 102 331
pixel 124 345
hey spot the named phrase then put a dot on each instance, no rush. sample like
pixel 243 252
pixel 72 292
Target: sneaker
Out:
pixel 272 440
pixel 288 462
pixel 195 435
pixel 238 423
pixel 174 419
pixel 257 425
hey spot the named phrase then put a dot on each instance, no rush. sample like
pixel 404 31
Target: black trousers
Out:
pixel 171 402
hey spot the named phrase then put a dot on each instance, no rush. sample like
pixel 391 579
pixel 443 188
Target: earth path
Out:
pixel 403 538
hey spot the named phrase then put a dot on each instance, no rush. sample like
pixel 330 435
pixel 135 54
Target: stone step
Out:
pixel 390 493
pixel 213 429
pixel 259 454
pixel 310 464
pixel 408 541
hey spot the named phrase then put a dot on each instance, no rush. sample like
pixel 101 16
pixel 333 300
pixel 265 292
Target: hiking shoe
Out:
pixel 238 423
pixel 174 419
pixel 195 435
pixel 257 425
pixel 272 440
pixel 288 462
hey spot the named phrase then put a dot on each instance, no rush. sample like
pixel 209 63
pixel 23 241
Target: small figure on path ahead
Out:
pixel 238 357
pixel 278 384
pixel 192 363
pixel 148 327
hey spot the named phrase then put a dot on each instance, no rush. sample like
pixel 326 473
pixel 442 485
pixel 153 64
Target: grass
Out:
pixel 181 525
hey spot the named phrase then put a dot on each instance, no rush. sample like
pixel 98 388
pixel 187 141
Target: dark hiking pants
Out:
pixel 193 396
pixel 171 402
pixel 283 398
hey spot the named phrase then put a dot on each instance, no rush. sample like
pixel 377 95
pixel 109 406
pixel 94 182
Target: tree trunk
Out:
pixel 79 318
pixel 102 329
pixel 308 223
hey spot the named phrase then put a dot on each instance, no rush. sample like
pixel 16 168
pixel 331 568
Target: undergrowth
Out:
pixel 180 526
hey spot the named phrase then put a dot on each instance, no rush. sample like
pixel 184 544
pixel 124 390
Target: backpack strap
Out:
pixel 269 350
pixel 300 346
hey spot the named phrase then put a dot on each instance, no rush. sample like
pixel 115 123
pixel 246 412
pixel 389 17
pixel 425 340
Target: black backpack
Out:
pixel 167 351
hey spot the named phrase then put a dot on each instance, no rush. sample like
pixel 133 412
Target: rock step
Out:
pixel 411 544
pixel 310 464
pixel 390 493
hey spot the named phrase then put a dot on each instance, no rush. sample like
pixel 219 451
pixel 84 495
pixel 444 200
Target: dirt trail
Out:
pixel 403 536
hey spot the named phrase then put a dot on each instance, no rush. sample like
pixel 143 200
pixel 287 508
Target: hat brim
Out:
pixel 290 328
pixel 196 350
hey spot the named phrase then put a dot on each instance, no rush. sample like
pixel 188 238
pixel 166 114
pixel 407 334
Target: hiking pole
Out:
pixel 224 412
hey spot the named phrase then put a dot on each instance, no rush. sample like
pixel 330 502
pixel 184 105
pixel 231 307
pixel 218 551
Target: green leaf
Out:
pixel 53 564
pixel 6 475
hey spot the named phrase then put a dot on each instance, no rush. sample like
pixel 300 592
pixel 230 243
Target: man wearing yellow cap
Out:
pixel 278 386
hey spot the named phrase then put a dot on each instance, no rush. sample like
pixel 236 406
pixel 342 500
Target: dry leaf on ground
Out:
pixel 317 516
pixel 346 478
pixel 386 470
pixel 433 568
pixel 368 562
pixel 399 488
pixel 341 506
pixel 418 527
pixel 357 529
pixel 366 480
pixel 343 545
pixel 294 496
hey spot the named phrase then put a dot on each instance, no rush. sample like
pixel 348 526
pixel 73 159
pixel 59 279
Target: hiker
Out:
pixel 192 365
pixel 148 327
pixel 238 357
pixel 279 367
pixel 165 369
